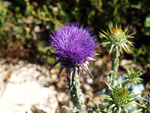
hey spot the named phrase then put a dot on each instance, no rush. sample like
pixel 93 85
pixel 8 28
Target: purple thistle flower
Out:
pixel 74 46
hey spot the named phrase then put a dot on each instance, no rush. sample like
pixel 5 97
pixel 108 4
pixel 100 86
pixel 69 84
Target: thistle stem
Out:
pixel 115 65
pixel 77 96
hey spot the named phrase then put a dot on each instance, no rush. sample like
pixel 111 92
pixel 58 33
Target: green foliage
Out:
pixel 21 27
pixel 141 55
pixel 28 22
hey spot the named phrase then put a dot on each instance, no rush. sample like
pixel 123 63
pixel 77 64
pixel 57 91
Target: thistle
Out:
pixel 120 99
pixel 118 41
pixel 74 47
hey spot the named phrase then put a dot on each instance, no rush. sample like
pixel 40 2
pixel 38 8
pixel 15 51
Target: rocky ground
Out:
pixel 26 87
pixel 31 88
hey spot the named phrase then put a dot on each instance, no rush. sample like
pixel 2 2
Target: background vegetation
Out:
pixel 25 25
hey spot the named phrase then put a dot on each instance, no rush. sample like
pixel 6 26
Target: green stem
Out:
pixel 77 96
pixel 115 65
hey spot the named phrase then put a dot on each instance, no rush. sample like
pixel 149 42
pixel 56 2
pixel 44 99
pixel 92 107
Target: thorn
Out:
pixel 54 54
pixel 54 64
pixel 89 71
pixel 91 59
pixel 83 69
pixel 97 54
pixel 88 65
pixel 60 70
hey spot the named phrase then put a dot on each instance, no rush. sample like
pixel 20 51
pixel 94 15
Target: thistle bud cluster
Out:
pixel 120 98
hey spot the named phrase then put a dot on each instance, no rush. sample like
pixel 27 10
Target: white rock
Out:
pixel 26 88
pixel 62 97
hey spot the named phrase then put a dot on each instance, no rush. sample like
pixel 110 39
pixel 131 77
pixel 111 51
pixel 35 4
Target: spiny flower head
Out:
pixel 120 98
pixel 73 45
pixel 117 38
